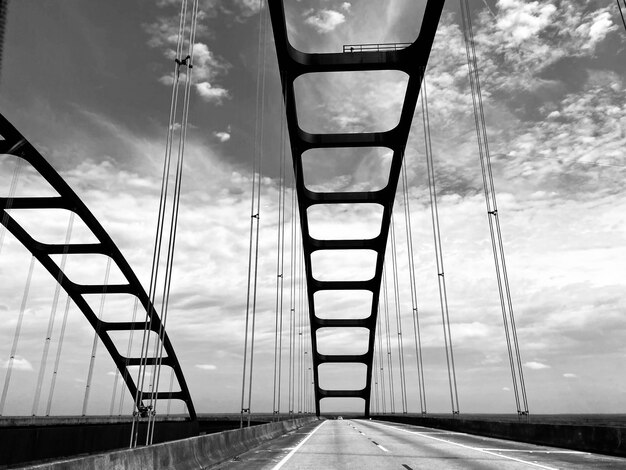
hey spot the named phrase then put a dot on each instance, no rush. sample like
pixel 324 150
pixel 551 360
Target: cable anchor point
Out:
pixel 186 62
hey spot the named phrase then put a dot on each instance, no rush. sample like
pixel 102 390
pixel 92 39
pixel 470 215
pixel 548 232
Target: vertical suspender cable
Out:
pixel 171 388
pixel 396 292
pixel 300 317
pixel 256 207
pixel 415 313
pixel 292 297
pixel 392 397
pixel 57 359
pixel 16 336
pixel 128 353
pixel 141 410
pixel 156 375
pixel 381 360
pixel 305 346
pixel 375 377
pixel 441 280
pixel 296 280
pixel 621 12
pixel 12 189
pixel 280 244
pixel 53 312
pixel 506 304
pixel 282 269
pixel 96 337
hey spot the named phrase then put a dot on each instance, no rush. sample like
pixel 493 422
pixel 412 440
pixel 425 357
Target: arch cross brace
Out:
pixel 15 144
pixel 292 64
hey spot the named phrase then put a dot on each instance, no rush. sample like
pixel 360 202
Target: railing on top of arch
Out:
pixel 391 46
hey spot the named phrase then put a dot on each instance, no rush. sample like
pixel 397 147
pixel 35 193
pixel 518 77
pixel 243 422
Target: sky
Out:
pixel 87 83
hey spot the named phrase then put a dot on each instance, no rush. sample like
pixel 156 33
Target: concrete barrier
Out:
pixel 185 454
pixel 609 440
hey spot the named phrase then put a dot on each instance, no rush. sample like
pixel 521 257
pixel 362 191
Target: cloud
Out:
pixel 19 363
pixel 536 365
pixel 212 94
pixel 346 6
pixel 207 67
pixel 249 7
pixel 206 366
pixel 569 375
pixel 325 21
pixel 222 136
pixel 522 20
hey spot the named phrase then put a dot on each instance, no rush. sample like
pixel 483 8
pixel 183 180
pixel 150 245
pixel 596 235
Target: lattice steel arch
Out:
pixel 293 63
pixel 16 145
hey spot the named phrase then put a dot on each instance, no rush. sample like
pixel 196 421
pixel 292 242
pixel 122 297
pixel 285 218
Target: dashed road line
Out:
pixel 478 449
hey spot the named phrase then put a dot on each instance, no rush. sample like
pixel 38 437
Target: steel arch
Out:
pixel 293 63
pixel 16 145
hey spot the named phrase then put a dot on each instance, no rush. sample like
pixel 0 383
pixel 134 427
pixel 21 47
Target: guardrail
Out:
pixel 391 46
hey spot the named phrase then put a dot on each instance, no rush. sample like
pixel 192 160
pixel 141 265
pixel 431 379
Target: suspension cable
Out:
pixel 619 5
pixel 51 319
pixel 57 359
pixel 16 336
pixel 128 353
pixel 292 297
pixel 280 246
pixel 282 267
pixel 441 279
pixel 300 322
pixel 413 284
pixel 140 409
pixel 381 359
pixel 506 304
pixel 375 378
pixel 96 337
pixel 396 293
pixel 12 189
pixel 392 401
pixel 156 375
pixel 256 210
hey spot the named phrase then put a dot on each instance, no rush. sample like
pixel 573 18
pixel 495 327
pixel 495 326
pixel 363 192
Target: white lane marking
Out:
pixel 295 449
pixel 478 449
pixel 382 448
pixel 537 451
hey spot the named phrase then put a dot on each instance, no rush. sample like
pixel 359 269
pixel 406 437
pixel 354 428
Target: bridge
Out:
pixel 354 350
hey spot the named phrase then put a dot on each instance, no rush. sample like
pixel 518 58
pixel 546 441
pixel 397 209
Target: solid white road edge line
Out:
pixel 468 447
pixel 295 449
pixel 537 451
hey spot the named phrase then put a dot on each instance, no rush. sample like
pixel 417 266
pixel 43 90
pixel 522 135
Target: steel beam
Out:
pixel 15 144
pixel 293 63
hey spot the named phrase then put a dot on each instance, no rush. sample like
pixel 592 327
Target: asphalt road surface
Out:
pixel 364 444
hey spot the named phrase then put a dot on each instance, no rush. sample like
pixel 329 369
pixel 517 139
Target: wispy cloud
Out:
pixel 533 365
pixel 19 363
pixel 325 21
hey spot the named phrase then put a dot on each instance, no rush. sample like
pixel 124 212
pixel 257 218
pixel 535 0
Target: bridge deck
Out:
pixel 366 444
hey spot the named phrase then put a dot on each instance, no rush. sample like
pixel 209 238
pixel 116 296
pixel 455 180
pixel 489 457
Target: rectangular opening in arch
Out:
pixel 336 341
pixel 343 303
pixel 342 376
pixel 339 406
pixel 350 102
pixel 339 169
pixel 343 265
pixel 345 221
